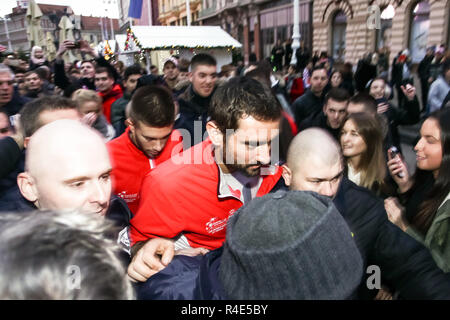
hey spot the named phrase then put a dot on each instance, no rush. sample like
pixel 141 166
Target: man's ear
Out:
pixel 129 123
pixel 214 133
pixel 287 175
pixel 26 141
pixel 27 187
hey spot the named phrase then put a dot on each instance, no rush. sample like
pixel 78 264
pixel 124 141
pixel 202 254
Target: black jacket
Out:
pixel 9 155
pixel 319 120
pixel 185 278
pixel 407 115
pixel 405 264
pixel 306 105
pixel 70 87
pixel 15 105
pixel 193 110
pixel 365 72
pixel 424 67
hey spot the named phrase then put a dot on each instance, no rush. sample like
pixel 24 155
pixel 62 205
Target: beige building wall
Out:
pixel 360 38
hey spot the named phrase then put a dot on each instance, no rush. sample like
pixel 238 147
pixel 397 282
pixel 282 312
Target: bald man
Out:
pixel 67 167
pixel 315 163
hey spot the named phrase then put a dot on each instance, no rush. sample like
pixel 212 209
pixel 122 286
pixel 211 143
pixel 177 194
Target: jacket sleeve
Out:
pixel 434 102
pixel 61 79
pixel 409 114
pixel 9 155
pixel 407 264
pixel 175 282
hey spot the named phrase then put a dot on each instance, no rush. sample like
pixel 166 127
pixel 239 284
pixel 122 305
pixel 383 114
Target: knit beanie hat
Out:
pixel 289 245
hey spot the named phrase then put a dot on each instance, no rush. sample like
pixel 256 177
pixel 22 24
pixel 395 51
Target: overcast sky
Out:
pixel 84 7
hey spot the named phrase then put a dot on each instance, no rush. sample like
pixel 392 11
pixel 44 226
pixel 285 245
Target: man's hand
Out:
pixel 382 107
pixel 154 256
pixel 396 213
pixel 409 91
pixel 86 48
pixel 63 47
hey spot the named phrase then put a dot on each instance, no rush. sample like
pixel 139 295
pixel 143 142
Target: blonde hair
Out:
pixel 81 96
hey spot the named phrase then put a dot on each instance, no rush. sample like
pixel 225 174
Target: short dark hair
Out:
pixel 318 67
pixel 133 69
pixel 369 102
pixel 88 61
pixel 104 69
pixel 31 111
pixel 337 94
pixel 153 105
pixel 29 73
pixel 183 65
pixel 242 96
pixel 202 59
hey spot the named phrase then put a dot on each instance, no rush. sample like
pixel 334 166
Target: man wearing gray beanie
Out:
pixel 285 245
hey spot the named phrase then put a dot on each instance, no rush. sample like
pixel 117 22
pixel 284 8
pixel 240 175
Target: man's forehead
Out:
pixel 203 68
pixel 315 168
pixel 5 76
pixel 102 75
pixel 251 127
pixel 319 73
pixel 336 104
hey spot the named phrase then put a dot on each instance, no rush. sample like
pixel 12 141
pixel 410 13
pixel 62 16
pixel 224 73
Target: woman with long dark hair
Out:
pixel 406 114
pixel 425 197
pixel 362 147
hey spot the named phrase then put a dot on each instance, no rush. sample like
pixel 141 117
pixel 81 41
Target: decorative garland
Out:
pixel 131 36
pixel 107 52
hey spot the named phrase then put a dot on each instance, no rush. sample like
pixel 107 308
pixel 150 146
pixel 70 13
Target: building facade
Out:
pixel 88 28
pixel 149 16
pixel 348 29
pixel 258 24
pixel 174 13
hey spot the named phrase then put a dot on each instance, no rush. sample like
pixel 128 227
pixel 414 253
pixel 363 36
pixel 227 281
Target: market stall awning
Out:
pixel 165 37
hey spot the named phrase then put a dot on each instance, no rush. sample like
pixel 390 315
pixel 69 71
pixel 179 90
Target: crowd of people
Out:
pixel 258 181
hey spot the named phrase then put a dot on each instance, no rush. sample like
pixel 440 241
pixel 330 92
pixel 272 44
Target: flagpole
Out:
pixel 149 10
pixel 188 13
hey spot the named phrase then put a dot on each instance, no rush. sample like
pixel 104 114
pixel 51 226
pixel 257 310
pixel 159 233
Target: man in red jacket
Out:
pixel 190 197
pixel 148 141
pixel 107 89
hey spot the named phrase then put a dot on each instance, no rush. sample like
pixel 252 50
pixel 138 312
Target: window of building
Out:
pixel 419 28
pixel 384 33
pixel 339 26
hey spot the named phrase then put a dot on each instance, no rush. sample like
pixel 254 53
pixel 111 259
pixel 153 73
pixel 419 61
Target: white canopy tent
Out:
pixel 185 41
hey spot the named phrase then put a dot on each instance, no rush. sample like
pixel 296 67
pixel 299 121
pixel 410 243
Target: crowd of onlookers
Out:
pixel 265 180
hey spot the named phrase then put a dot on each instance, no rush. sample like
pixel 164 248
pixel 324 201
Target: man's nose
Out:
pixel 159 145
pixel 264 154
pixel 99 194
pixel 327 189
